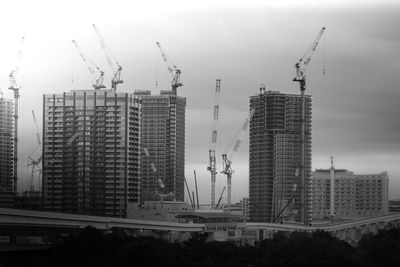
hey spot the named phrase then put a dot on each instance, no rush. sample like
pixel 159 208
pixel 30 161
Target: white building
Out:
pixel 356 195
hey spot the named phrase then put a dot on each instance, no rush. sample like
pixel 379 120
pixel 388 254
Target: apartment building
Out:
pixel 91 152
pixel 163 135
pixel 355 195
pixel 7 164
pixel 275 191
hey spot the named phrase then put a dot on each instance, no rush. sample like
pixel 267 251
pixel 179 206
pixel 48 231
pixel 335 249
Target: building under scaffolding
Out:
pixel 7 163
pixel 163 135
pixel 91 152
pixel 275 189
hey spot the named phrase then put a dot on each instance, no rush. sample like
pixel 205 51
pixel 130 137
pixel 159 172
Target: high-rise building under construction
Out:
pixel 91 152
pixel 7 163
pixel 163 136
pixel 275 184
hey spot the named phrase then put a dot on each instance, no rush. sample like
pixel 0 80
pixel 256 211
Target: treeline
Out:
pixel 92 248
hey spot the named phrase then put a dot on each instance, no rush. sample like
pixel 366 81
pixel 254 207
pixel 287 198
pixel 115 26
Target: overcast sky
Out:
pixel 244 43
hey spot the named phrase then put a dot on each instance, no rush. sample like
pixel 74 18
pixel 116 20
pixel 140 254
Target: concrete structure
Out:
pixel 220 226
pixel 7 163
pixel 394 205
pixel 356 195
pixel 29 200
pixel 91 152
pixel 39 218
pixel 163 135
pixel 275 190
pixel 350 231
pixel 239 208
pixel 158 210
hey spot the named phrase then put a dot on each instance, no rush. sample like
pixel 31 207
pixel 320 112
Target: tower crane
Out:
pixel 301 67
pixel 172 69
pixel 32 162
pixel 112 61
pixel 302 64
pixel 98 84
pixel 14 86
pixel 212 168
pixel 226 158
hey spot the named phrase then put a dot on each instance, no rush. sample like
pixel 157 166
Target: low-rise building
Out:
pixel 356 195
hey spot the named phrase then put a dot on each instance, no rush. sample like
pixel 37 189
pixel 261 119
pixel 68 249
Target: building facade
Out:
pixel 7 164
pixel 91 152
pixel 355 195
pixel 163 136
pixel 275 191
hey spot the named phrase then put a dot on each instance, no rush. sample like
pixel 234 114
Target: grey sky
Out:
pixel 245 43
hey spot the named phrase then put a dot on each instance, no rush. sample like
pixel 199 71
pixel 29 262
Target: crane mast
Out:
pixel 98 84
pixel 112 61
pixel 172 69
pixel 226 158
pixel 301 67
pixel 14 86
pixel 212 168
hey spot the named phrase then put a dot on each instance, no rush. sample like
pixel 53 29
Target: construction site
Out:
pixel 104 152
pixel 110 153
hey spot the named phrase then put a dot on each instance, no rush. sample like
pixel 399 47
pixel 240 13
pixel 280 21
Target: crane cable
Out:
pixel 324 56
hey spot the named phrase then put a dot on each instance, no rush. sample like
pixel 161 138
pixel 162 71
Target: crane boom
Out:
pixel 212 168
pixel 112 61
pixel 291 200
pixel 72 138
pixel 36 128
pixel 190 198
pixel 14 72
pixel 220 197
pixel 98 84
pixel 31 161
pixel 172 69
pixel 303 62
pixel 239 137
pixel 154 169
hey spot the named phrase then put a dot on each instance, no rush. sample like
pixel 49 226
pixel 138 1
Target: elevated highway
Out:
pixel 50 219
pixel 350 231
